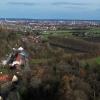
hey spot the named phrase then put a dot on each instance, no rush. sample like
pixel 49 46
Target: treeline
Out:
pixel 58 81
pixel 92 39
pixel 7 42
pixel 74 44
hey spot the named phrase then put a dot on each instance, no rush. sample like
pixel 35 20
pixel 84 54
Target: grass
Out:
pixel 95 30
pixel 39 61
pixel 4 70
pixel 91 61
pixel 68 32
pixel 64 33
pixel 96 60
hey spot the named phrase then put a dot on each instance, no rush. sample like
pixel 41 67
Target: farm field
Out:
pixel 85 33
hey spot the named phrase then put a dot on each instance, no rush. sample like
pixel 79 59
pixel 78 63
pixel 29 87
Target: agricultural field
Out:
pixel 87 43
pixel 84 32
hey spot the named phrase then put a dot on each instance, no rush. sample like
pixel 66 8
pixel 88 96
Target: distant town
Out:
pixel 36 24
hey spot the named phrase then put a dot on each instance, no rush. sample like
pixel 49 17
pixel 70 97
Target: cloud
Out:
pixel 53 3
pixel 68 3
pixel 22 3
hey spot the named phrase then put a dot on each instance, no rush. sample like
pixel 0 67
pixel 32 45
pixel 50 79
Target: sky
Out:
pixel 50 9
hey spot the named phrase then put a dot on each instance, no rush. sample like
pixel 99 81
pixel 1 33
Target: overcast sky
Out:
pixel 50 9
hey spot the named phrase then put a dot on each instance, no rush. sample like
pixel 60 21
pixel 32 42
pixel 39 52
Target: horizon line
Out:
pixel 4 18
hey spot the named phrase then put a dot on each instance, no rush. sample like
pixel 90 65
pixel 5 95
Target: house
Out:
pixel 16 59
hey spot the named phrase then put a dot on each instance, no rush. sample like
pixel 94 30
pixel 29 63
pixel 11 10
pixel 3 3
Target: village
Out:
pixel 15 63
